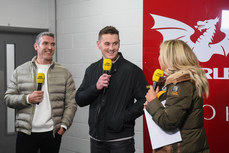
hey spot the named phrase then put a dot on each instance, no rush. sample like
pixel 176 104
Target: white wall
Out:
pixel 78 24
pixel 28 13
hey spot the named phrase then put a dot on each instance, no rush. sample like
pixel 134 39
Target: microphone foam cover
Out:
pixel 40 78
pixel 107 64
pixel 157 74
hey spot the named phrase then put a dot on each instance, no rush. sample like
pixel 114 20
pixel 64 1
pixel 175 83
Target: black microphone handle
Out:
pixel 154 85
pixel 104 90
pixel 39 86
pixel 105 71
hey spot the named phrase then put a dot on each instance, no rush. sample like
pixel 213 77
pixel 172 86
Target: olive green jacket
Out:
pixel 61 89
pixel 184 110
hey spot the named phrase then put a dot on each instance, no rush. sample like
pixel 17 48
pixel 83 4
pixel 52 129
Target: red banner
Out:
pixel 204 26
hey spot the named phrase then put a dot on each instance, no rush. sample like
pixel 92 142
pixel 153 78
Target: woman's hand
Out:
pixel 145 104
pixel 151 95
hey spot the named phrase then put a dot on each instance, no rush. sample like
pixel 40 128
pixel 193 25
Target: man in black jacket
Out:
pixel 112 113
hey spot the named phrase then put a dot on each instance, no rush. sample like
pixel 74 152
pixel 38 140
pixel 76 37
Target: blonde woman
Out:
pixel 183 92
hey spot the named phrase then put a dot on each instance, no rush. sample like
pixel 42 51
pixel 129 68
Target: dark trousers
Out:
pixel 45 142
pixel 124 146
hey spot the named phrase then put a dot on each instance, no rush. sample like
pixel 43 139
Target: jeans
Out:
pixel 45 142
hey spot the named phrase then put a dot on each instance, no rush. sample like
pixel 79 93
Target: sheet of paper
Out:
pixel 158 136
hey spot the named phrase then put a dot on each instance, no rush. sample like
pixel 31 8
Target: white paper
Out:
pixel 158 136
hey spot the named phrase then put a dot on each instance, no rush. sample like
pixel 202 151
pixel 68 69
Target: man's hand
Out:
pixel 103 81
pixel 61 131
pixel 36 97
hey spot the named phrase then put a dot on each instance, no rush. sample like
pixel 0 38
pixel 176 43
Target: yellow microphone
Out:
pixel 156 76
pixel 107 64
pixel 40 80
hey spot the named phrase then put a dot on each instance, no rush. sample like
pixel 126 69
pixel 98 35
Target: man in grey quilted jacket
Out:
pixel 42 115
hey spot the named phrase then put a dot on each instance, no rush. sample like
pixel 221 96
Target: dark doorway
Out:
pixel 16 47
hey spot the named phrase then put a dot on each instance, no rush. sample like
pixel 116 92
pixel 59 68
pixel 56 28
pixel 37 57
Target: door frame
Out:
pixel 12 30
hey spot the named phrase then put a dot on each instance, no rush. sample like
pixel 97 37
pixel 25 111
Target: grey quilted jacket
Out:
pixel 61 90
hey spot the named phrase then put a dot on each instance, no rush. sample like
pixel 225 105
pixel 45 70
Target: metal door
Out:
pixel 16 47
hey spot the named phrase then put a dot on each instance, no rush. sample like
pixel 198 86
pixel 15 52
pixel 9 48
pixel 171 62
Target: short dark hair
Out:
pixel 108 30
pixel 38 38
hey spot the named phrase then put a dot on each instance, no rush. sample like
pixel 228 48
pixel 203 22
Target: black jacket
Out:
pixel 112 115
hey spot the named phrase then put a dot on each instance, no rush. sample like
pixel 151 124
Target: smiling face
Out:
pixel 109 45
pixel 45 49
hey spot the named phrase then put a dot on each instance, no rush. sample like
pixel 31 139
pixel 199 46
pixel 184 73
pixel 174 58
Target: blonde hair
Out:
pixel 176 55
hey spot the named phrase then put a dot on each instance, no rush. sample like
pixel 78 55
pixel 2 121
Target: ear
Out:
pixel 98 44
pixel 35 46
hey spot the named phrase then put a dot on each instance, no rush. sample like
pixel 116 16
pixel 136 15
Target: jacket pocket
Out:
pixel 115 124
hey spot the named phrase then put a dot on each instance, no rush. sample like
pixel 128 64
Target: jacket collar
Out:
pixel 34 61
pixel 116 65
